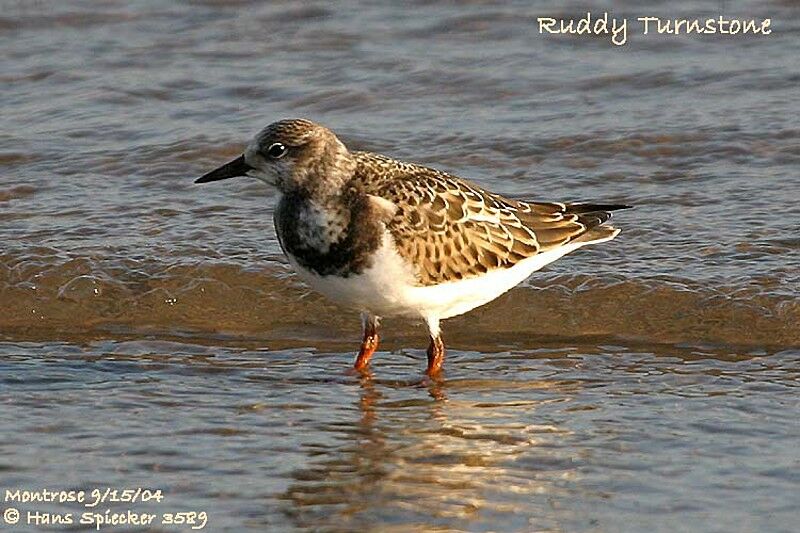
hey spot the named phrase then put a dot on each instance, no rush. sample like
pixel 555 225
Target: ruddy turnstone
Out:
pixel 391 238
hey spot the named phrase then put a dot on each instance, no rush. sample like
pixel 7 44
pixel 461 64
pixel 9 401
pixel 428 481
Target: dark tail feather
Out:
pixel 590 208
pixel 592 215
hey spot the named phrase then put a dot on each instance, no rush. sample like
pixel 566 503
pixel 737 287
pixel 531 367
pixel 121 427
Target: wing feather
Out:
pixel 450 229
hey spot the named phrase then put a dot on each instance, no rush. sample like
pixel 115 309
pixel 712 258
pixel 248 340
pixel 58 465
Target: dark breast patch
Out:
pixel 347 252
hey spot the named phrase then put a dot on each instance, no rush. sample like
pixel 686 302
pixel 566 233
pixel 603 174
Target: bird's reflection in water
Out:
pixel 370 396
pixel 408 457
pixel 367 399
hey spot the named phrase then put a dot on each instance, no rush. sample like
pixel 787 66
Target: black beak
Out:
pixel 235 168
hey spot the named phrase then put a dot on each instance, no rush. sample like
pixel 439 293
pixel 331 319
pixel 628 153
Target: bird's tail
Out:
pixel 593 216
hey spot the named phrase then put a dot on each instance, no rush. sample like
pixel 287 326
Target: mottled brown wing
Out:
pixel 450 229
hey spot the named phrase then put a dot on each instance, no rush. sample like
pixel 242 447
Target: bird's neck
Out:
pixel 324 177
pixel 317 193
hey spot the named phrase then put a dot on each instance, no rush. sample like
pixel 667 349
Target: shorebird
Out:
pixel 392 238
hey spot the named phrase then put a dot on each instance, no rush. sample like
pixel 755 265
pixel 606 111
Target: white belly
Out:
pixel 388 287
pixel 380 289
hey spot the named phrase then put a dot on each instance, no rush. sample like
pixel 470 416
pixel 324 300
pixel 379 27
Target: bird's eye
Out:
pixel 277 150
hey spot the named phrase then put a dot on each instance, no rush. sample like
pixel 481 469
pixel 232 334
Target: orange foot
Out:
pixel 435 356
pixel 368 345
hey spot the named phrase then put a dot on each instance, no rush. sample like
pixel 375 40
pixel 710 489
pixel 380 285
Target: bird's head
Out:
pixel 292 155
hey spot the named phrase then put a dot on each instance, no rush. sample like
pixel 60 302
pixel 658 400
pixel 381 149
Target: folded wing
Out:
pixel 451 229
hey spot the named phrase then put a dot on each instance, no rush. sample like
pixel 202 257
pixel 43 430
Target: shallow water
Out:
pixel 152 334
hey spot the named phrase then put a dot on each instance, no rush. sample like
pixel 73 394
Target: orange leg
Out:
pixel 369 343
pixel 435 356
